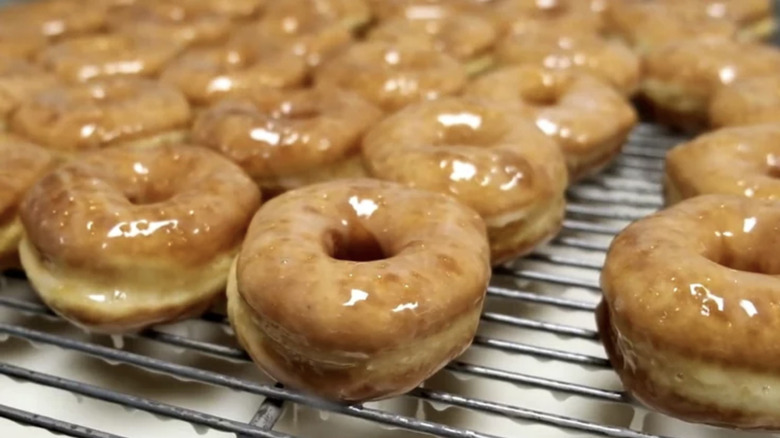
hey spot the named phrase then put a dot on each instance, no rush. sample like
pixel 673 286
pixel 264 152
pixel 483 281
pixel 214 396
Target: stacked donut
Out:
pixel 689 314
pixel 403 148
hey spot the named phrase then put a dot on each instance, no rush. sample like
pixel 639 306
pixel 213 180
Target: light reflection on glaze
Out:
pixel 363 207
pixel 141 227
pixel 356 296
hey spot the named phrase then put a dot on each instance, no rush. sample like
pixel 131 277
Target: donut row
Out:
pixel 689 312
pixel 344 171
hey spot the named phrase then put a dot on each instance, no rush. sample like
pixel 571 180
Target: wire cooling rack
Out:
pixel 536 368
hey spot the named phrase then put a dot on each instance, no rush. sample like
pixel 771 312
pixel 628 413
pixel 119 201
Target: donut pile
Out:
pixel 402 148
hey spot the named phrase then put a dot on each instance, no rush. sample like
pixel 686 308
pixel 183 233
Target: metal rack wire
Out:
pixel 598 208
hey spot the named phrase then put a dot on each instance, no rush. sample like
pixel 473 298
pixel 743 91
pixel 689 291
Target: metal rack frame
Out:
pixel 598 207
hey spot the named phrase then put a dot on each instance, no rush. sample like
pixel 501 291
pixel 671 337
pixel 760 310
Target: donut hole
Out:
pixel 541 96
pixel 149 196
pixel 359 245
pixel 773 165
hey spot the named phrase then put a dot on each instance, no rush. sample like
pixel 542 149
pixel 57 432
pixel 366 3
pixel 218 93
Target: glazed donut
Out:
pixel 648 25
pixel 487 156
pixel 681 78
pixel 467 38
pixel 206 75
pixel 608 60
pixel 308 33
pixel 358 290
pixel 19 80
pixel 54 18
pixel 740 161
pixel 74 118
pixel 128 237
pixel 23 163
pixel 689 310
pixel 233 9
pixel 172 20
pixel 288 139
pixel 754 18
pixel 568 16
pixel 20 42
pixel 748 102
pixel 352 14
pixel 587 117
pixel 393 75
pixel 99 56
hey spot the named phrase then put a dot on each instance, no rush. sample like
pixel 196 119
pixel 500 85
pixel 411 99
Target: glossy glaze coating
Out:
pixel 351 14
pixel 234 9
pixel 608 60
pixel 464 37
pixel 181 22
pixel 285 139
pixel 421 9
pixel 753 17
pixel 382 287
pixel 130 236
pixel 96 114
pixel 206 75
pixel 681 78
pixel 587 117
pixel 570 16
pixel 54 18
pixel 485 155
pixel 741 161
pixel 19 80
pixel 648 25
pixel 748 102
pixel 22 164
pixel 97 56
pixel 690 313
pixel 393 75
pixel 20 42
pixel 309 36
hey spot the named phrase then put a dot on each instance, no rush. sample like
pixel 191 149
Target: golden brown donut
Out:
pixel 206 75
pixel 20 42
pixel 74 118
pixel 19 80
pixel 54 18
pixel 98 56
pixel 748 102
pixel 190 23
pixel 608 60
pixel 488 155
pixel 568 16
pixel 233 9
pixel 689 317
pixel 648 25
pixel 393 75
pixel 128 237
pixel 588 118
pixel 357 290
pixel 352 14
pixel 288 139
pixel 753 18
pixel 467 38
pixel 21 165
pixel 311 34
pixel 681 78
pixel 740 161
